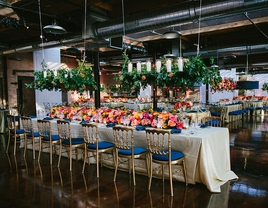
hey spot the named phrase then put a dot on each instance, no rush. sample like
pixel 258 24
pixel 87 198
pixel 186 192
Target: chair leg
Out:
pixel 25 146
pixel 55 149
pixel 33 148
pixel 151 171
pixel 50 148
pixel 97 162
pixel 133 170
pixel 76 154
pixel 40 149
pixel 170 179
pixel 147 164
pixel 85 157
pixel 8 141
pixel 101 159
pixel 60 154
pixel 116 163
pixel 71 157
pixel 185 172
pixel 129 166
pixel 15 141
pixel 163 172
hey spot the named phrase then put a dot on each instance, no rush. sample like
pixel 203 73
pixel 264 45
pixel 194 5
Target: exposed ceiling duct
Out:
pixel 237 51
pixel 174 15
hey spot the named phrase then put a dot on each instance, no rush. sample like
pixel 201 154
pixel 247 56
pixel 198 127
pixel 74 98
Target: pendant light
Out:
pixel 171 34
pixel 180 60
pixel 54 29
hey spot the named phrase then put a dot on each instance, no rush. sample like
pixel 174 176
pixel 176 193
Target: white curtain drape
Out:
pixel 53 60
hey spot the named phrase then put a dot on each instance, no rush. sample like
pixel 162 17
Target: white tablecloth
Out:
pixel 227 110
pixel 144 106
pixel 207 154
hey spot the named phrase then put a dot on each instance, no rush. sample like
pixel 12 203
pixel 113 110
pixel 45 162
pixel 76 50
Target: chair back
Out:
pixel 123 137
pixel 27 124
pixel 90 133
pixel 44 128
pixel 223 112
pixel 189 118
pixel 158 141
pixel 11 122
pixel 213 121
pixel 64 130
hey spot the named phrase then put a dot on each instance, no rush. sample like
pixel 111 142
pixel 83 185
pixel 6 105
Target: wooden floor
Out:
pixel 25 183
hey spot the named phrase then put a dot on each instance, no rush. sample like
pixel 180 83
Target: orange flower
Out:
pixel 83 75
pixel 48 76
pixel 119 73
pixel 143 78
pixel 38 83
pixel 171 75
pixel 171 123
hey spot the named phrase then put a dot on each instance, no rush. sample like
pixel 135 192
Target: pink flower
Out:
pixel 154 123
pixel 144 122
pixel 173 118
pixel 171 123
pixel 135 123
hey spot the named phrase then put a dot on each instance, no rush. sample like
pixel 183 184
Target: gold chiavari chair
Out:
pixel 29 133
pixel 66 140
pixel 213 121
pixel 44 128
pixel 159 145
pixel 13 131
pixel 124 147
pixel 92 144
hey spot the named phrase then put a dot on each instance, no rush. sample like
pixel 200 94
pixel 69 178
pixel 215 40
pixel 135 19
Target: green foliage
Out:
pixel 77 79
pixel 194 71
pixel 265 87
pixel 113 88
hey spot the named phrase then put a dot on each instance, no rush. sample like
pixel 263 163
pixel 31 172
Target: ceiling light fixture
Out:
pixel 14 58
pixel 171 34
pixel 54 29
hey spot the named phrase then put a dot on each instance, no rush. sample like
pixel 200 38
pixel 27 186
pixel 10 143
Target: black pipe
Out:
pixel 5 78
pixel 97 78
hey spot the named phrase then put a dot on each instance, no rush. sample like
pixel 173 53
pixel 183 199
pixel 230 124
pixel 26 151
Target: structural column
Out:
pixel 97 78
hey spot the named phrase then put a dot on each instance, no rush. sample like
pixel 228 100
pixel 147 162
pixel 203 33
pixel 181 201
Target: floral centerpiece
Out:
pixel 84 100
pixel 226 84
pixel 147 118
pixel 187 104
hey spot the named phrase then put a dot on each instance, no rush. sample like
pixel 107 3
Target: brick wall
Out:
pixel 25 64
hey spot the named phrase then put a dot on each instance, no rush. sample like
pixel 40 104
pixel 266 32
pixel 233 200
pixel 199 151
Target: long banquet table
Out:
pixel 207 154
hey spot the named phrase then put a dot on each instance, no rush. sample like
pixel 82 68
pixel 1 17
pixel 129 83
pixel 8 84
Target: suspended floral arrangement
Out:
pixel 166 73
pixel 226 84
pixel 187 104
pixel 78 79
pixel 265 87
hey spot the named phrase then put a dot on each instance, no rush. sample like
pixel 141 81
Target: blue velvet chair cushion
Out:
pixel 67 119
pixel 260 108
pixel 74 141
pixel 36 134
pixel 214 122
pixel 175 131
pixel 84 122
pixel 175 155
pixel 53 138
pixel 250 108
pixel 48 118
pixel 234 113
pixel 101 145
pixel 18 131
pixel 32 116
pixel 110 124
pixel 137 151
pixel 140 128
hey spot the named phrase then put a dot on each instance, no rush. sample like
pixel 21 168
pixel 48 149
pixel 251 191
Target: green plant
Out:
pixel 113 88
pixel 265 87
pixel 102 88
pixel 77 79
pixel 194 71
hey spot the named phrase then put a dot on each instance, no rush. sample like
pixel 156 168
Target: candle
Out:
pixel 158 65
pixel 45 74
pixel 139 67
pixel 148 65
pixel 180 64
pixel 129 67
pixel 55 73
pixel 169 65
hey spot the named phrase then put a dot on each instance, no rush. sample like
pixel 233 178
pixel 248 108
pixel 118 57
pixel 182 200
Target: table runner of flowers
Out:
pixel 147 118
